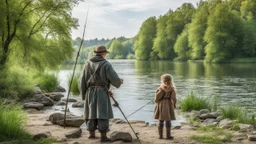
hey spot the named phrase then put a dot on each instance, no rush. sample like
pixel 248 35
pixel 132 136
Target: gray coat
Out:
pixel 97 102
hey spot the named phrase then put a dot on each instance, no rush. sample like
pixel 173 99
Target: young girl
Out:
pixel 165 99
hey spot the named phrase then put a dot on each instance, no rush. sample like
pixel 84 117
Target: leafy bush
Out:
pixel 193 102
pixel 130 56
pixel 48 82
pixel 235 112
pixel 74 86
pixel 12 122
pixel 15 82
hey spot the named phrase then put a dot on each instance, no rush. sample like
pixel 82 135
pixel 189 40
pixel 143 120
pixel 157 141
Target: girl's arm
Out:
pixel 159 94
pixel 174 99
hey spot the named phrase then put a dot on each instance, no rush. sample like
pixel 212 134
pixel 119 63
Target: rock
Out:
pixel 34 105
pixel 252 137
pixel 33 111
pixel 55 117
pixel 61 103
pixel 239 136
pixel 72 121
pixel 41 98
pixel 204 111
pixel 225 123
pixel 54 96
pixel 195 113
pixel 136 121
pixel 78 104
pixel 245 127
pixel 176 127
pixel 70 100
pixel 46 124
pixel 37 90
pixel 124 136
pixel 114 120
pixel 209 115
pixel 60 89
pixel 41 135
pixel 210 122
pixel 187 127
pixel 74 134
pixel 219 118
pixel 120 122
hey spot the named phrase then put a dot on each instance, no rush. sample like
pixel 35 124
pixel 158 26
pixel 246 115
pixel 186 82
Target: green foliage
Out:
pixel 74 86
pixel 48 82
pixel 222 35
pixel 12 121
pixel 212 135
pixel 144 43
pixel 36 34
pixel 30 141
pixel 15 82
pixel 193 102
pixel 117 50
pixel 181 46
pixel 130 56
pixel 235 112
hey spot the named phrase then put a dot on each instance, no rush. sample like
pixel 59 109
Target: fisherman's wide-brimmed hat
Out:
pixel 101 50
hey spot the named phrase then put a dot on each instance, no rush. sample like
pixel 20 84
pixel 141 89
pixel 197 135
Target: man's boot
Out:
pixel 92 135
pixel 104 137
pixel 168 133
pixel 160 132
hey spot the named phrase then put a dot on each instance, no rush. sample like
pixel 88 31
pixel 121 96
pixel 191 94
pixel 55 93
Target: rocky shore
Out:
pixel 42 124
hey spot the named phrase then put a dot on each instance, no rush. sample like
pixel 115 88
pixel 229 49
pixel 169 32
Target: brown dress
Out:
pixel 165 98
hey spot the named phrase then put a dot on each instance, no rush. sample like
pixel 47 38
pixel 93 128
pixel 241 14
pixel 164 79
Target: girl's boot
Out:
pixel 160 132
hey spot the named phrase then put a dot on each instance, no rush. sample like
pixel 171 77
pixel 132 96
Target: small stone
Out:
pixel 70 100
pixel 225 123
pixel 210 122
pixel 41 98
pixel 252 137
pixel 60 89
pixel 114 120
pixel 176 127
pixel 120 122
pixel 74 134
pixel 245 127
pixel 219 118
pixel 124 136
pixel 78 104
pixel 41 135
pixel 34 105
pixel 54 96
pixel 72 121
pixel 61 103
pixel 204 111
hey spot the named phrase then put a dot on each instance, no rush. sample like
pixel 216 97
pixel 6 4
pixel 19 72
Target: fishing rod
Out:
pixel 78 53
pixel 117 104
pixel 140 108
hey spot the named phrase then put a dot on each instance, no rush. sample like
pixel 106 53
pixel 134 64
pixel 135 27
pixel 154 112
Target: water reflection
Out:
pixel 232 83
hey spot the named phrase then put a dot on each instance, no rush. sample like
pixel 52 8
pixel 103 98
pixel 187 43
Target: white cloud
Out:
pixel 114 18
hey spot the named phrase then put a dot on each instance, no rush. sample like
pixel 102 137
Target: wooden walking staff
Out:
pixel 75 68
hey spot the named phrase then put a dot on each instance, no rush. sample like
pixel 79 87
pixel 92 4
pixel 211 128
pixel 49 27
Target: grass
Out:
pixel 193 102
pixel 48 82
pixel 244 60
pixel 235 112
pixel 12 122
pixel 30 141
pixel 212 135
pixel 74 86
pixel 15 82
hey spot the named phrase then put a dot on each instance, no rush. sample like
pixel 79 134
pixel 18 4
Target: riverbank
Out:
pixel 38 123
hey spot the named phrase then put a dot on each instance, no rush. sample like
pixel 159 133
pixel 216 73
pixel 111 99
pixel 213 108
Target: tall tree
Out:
pixel 117 50
pixel 36 33
pixel 144 43
pixel 197 30
pixel 225 29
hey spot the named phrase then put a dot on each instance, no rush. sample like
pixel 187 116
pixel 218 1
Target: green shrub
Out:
pixel 193 102
pixel 15 82
pixel 48 82
pixel 130 56
pixel 235 112
pixel 12 122
pixel 74 86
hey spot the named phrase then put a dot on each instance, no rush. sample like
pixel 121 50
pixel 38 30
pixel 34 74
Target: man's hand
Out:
pixel 110 93
pixel 174 105
pixel 122 81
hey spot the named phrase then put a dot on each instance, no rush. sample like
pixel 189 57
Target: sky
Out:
pixel 115 18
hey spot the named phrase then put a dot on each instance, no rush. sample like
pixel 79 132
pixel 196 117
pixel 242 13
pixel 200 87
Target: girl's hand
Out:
pixel 174 105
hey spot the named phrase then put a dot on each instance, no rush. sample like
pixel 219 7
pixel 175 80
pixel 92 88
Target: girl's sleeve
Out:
pixel 159 94
pixel 173 97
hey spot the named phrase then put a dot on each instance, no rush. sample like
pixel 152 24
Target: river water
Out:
pixel 231 83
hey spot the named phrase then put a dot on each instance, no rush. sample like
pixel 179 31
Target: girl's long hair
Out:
pixel 167 78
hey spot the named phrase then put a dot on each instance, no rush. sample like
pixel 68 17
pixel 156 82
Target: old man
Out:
pixel 98 75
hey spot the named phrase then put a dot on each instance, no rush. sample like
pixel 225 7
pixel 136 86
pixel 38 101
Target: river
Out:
pixel 231 83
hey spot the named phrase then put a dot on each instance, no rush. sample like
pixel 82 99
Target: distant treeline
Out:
pixel 120 48
pixel 214 31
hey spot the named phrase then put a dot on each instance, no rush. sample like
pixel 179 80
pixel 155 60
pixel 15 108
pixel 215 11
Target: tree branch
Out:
pixel 35 31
